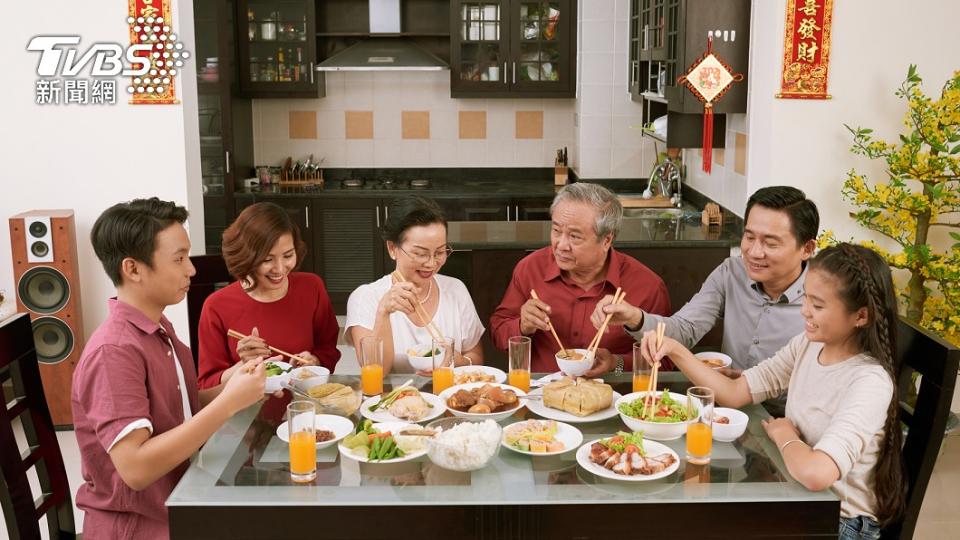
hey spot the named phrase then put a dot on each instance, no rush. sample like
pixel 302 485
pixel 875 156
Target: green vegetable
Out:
pixel 365 426
pixel 385 448
pixel 375 448
pixel 620 441
pixel 393 396
pixel 675 411
pixel 273 369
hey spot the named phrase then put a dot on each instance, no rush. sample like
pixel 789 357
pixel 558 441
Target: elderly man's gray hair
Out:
pixel 609 209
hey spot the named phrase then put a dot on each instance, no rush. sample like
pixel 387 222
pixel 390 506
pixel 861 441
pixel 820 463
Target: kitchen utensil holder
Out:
pixel 301 178
pixel 561 175
pixel 711 216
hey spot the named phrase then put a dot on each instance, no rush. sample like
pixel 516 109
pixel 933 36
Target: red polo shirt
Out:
pixel 571 306
pixel 127 378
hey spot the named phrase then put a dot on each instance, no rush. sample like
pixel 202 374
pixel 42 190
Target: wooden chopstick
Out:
pixel 595 342
pixel 563 350
pixel 651 396
pixel 238 335
pixel 425 319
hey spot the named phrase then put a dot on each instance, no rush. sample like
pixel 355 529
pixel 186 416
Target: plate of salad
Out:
pixel 541 437
pixel 384 442
pixel 662 417
pixel 627 456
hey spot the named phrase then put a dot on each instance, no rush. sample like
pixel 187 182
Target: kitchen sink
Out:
pixel 652 213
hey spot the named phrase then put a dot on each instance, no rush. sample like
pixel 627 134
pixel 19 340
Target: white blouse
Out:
pixel 456 317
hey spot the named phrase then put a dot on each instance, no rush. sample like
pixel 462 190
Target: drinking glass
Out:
pixel 519 352
pixel 371 365
pixel 444 354
pixel 700 432
pixel 641 370
pixel 301 418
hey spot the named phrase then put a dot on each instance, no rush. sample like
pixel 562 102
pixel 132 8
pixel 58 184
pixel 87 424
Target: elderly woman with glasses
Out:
pixel 416 238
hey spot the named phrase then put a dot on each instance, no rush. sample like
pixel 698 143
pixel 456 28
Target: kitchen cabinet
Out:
pixel 666 37
pixel 497 208
pixel 513 48
pixel 224 120
pixel 278 49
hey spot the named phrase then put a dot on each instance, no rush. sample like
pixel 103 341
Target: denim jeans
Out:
pixel 859 528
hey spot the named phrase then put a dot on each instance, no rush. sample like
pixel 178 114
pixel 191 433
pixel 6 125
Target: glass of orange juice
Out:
pixel 301 418
pixel 444 354
pixel 641 370
pixel 519 351
pixel 371 365
pixel 700 432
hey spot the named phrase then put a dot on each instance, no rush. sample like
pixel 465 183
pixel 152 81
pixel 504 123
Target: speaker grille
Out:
pixel 53 339
pixel 43 290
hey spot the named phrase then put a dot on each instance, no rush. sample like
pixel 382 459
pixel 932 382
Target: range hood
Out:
pixel 381 53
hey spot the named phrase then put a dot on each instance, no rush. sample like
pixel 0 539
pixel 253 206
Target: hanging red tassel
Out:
pixel 707 138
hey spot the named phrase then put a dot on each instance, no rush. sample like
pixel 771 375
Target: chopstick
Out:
pixel 651 396
pixel 595 342
pixel 238 335
pixel 425 319
pixel 563 349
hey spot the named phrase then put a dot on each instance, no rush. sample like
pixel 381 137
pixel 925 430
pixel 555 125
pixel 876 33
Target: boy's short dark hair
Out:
pixel 803 214
pixel 129 229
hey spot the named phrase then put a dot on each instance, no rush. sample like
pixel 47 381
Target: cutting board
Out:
pixel 640 202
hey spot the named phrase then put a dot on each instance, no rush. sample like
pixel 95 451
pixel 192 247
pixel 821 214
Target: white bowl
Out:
pixel 575 368
pixel 449 456
pixel 732 431
pixel 497 416
pixel 658 431
pixel 710 355
pixel 340 426
pixel 277 382
pixel 306 377
pixel 421 363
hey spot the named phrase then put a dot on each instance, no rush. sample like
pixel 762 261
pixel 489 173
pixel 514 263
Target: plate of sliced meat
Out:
pixel 626 456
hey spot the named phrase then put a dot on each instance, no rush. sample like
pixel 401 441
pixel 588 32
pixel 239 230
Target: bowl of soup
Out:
pixel 574 362
pixel 716 360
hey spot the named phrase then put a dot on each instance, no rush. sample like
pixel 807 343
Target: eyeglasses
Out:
pixel 421 257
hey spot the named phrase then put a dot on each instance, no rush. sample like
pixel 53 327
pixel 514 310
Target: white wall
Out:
pixel 803 142
pixel 88 157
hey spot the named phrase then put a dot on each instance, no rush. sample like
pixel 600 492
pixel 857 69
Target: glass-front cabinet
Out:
pixel 278 49
pixel 512 48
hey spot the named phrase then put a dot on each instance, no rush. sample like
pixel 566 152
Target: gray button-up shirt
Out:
pixel 755 326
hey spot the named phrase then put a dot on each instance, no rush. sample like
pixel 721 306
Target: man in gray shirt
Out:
pixel 757 294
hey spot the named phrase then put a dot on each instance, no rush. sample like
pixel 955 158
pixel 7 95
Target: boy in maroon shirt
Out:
pixel 136 409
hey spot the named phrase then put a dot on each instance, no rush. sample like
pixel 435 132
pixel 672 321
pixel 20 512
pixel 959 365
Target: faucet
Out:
pixel 664 176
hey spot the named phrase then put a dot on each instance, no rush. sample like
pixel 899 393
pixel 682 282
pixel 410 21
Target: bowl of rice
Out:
pixel 463 444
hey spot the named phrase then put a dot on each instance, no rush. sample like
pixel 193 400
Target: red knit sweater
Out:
pixel 303 320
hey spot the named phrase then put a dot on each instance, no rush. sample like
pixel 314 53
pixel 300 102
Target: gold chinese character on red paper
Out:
pixel 809 8
pixel 806 52
pixel 807 27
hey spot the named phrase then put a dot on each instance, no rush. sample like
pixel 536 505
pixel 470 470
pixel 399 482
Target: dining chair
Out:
pixel 936 361
pixel 211 276
pixel 24 399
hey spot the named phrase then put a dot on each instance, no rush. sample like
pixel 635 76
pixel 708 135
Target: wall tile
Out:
pixel 472 124
pixel 444 124
pixel 598 67
pixel 594 162
pixel 621 69
pixel 415 153
pixel 558 124
pixel 359 153
pixel 625 135
pixel 740 159
pixel 501 124
pixel 443 153
pixel 627 162
pixel 415 124
pixel 718 156
pixel 387 153
pixel 597 99
pixel 333 152
pixel 529 124
pixel 303 124
pixel 359 124
pixel 595 36
pixel 387 124
pixel 331 125
pixel 358 91
pixel 500 153
pixel 335 92
pixel 595 131
pixel 550 147
pixel 530 151
pixel 600 10
pixel 471 152
pixel 276 120
pixel 473 104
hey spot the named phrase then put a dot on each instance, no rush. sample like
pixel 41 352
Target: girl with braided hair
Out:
pixel 841 429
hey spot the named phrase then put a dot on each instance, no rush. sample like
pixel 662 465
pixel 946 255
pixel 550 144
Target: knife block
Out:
pixel 561 174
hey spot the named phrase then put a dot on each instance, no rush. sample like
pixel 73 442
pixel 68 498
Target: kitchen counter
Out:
pixel 675 231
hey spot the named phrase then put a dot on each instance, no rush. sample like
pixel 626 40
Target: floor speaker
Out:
pixel 44 248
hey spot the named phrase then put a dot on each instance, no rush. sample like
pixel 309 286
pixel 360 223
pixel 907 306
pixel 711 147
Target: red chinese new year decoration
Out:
pixel 151 22
pixel 806 49
pixel 708 79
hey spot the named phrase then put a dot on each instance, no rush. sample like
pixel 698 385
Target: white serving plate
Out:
pixel 658 431
pixel 570 436
pixel 497 416
pixel 340 426
pixel 537 407
pixel 498 375
pixel 383 415
pixel 652 448
pixel 392 427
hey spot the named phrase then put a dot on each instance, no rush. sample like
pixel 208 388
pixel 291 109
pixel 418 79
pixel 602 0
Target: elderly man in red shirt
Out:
pixel 570 276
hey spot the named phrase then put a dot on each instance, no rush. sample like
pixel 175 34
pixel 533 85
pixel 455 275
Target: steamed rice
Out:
pixel 465 447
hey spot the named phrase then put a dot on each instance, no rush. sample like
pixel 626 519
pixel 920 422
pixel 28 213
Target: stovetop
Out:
pixel 385 184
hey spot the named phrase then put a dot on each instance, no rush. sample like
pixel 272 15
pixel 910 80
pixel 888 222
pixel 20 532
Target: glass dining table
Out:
pixel 239 486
